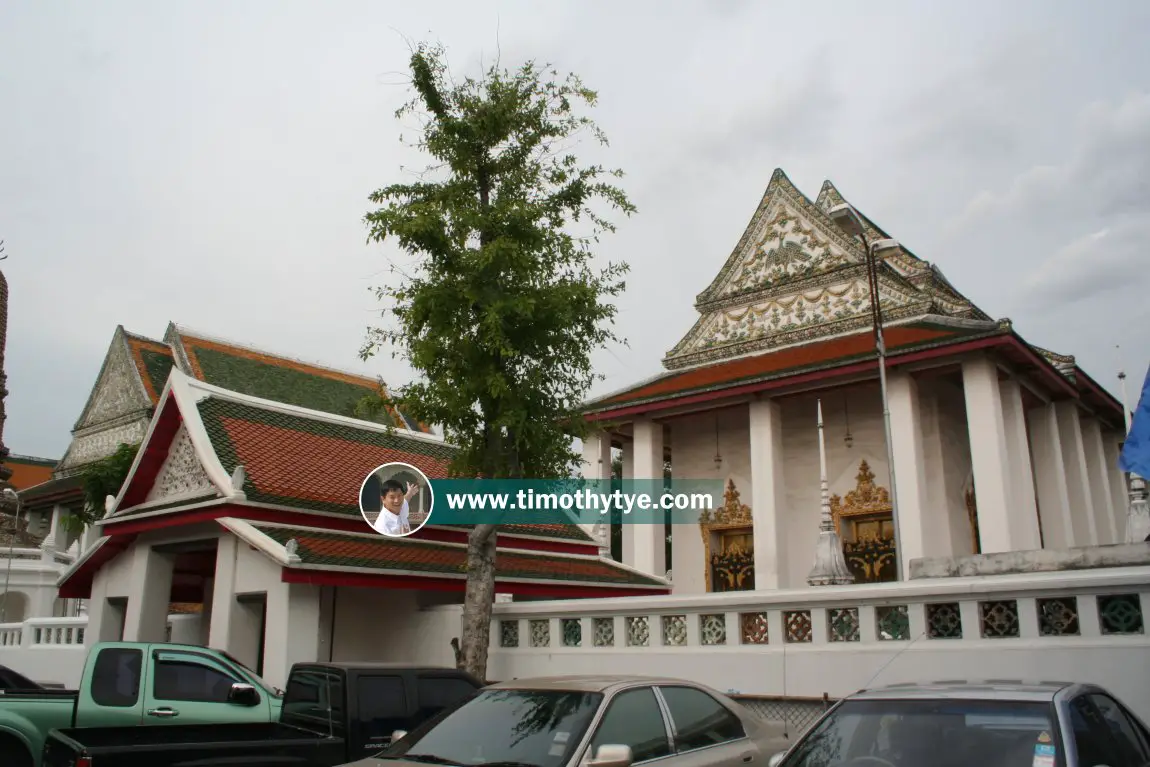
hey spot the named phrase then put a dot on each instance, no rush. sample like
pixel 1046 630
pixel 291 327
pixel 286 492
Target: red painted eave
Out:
pixel 153 454
pixel 79 583
pixel 1011 346
pixel 1098 397
pixel 383 581
pixel 172 519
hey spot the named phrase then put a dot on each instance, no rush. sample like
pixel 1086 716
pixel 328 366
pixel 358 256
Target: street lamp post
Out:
pixel 849 221
pixel 10 494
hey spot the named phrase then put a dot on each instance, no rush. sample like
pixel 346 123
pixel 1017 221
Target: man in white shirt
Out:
pixel 392 519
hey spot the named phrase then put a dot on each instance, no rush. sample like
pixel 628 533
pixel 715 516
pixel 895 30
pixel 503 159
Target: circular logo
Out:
pixel 395 499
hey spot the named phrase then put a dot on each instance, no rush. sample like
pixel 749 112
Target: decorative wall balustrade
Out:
pixel 1117 612
pixel 44 633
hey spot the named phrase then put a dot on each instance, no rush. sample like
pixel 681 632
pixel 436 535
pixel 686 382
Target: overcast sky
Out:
pixel 208 163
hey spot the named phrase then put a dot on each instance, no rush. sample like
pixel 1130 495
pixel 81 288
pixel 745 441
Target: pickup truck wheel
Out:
pixel 13 753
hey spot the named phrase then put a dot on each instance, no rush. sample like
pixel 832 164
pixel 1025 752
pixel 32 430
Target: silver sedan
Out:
pixel 955 724
pixel 589 721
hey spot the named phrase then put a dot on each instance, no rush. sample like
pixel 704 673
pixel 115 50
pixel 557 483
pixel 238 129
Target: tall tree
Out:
pixel 504 308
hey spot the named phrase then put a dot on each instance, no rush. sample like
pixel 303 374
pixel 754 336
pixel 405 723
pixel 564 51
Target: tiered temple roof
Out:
pixel 792 301
pixel 136 368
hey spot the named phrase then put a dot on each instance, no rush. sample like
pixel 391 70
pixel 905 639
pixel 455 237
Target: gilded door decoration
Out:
pixel 728 544
pixel 972 517
pixel 864 523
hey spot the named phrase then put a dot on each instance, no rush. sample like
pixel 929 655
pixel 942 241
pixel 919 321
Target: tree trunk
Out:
pixel 480 596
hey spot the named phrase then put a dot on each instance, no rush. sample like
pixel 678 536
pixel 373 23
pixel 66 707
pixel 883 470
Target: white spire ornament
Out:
pixel 830 565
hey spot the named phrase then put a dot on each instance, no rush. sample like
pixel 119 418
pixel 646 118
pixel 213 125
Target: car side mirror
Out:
pixel 398 735
pixel 612 755
pixel 243 695
pixel 776 759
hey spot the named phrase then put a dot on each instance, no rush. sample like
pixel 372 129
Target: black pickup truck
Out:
pixel 333 713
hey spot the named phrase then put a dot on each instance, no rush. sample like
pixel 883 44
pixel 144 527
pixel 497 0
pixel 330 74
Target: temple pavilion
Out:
pixel 998 445
pixel 242 504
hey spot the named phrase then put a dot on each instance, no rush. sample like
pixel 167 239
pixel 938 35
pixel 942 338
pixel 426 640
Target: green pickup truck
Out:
pixel 180 684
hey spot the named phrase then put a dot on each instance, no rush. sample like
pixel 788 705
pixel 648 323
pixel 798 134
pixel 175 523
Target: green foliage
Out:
pixel 101 479
pixel 504 309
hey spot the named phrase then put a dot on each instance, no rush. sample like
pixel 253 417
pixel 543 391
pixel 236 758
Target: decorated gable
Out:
pixel 788 239
pixel 181 475
pixel 795 277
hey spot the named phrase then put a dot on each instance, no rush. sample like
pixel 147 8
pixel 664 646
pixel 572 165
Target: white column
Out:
pixel 1024 511
pixel 292 631
pixel 1103 504
pixel 627 456
pixel 206 612
pixel 947 526
pixel 988 454
pixel 910 467
pixel 597 456
pixel 768 494
pixel 149 595
pixel 1119 492
pixel 55 539
pixel 234 625
pixel 1077 477
pixel 104 619
pixel 648 539
pixel 1050 476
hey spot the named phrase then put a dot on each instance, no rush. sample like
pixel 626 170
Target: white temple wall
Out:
pixel 392 626
pixel 801 462
pixel 693 447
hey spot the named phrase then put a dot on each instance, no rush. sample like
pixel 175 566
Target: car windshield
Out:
pixel 514 728
pixel 931 733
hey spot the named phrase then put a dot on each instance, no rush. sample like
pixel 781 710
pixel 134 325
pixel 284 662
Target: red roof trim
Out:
pixel 1104 397
pixel 894 360
pixel 153 454
pixel 132 526
pixel 370 581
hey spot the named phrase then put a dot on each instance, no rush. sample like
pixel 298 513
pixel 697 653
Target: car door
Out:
pixel 634 717
pixel 187 687
pixel 1127 741
pixel 704 731
pixel 1097 740
pixel 382 707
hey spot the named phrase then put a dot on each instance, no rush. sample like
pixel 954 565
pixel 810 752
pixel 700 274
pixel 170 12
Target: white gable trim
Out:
pixel 176 389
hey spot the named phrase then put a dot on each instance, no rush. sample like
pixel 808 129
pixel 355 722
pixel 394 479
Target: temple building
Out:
pixel 124 396
pixel 997 445
pixel 242 505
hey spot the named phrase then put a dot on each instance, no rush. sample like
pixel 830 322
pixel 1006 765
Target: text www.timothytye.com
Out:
pixel 587 500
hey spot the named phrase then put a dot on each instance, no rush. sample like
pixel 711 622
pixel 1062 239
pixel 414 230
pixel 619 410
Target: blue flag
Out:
pixel 1135 456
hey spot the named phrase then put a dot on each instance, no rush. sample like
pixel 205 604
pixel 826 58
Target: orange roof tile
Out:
pixel 28 472
pixel 320 547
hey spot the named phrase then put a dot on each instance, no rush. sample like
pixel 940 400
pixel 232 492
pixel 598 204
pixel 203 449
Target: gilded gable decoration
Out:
pixel 864 520
pixel 728 544
pixel 866 500
pixel 733 512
